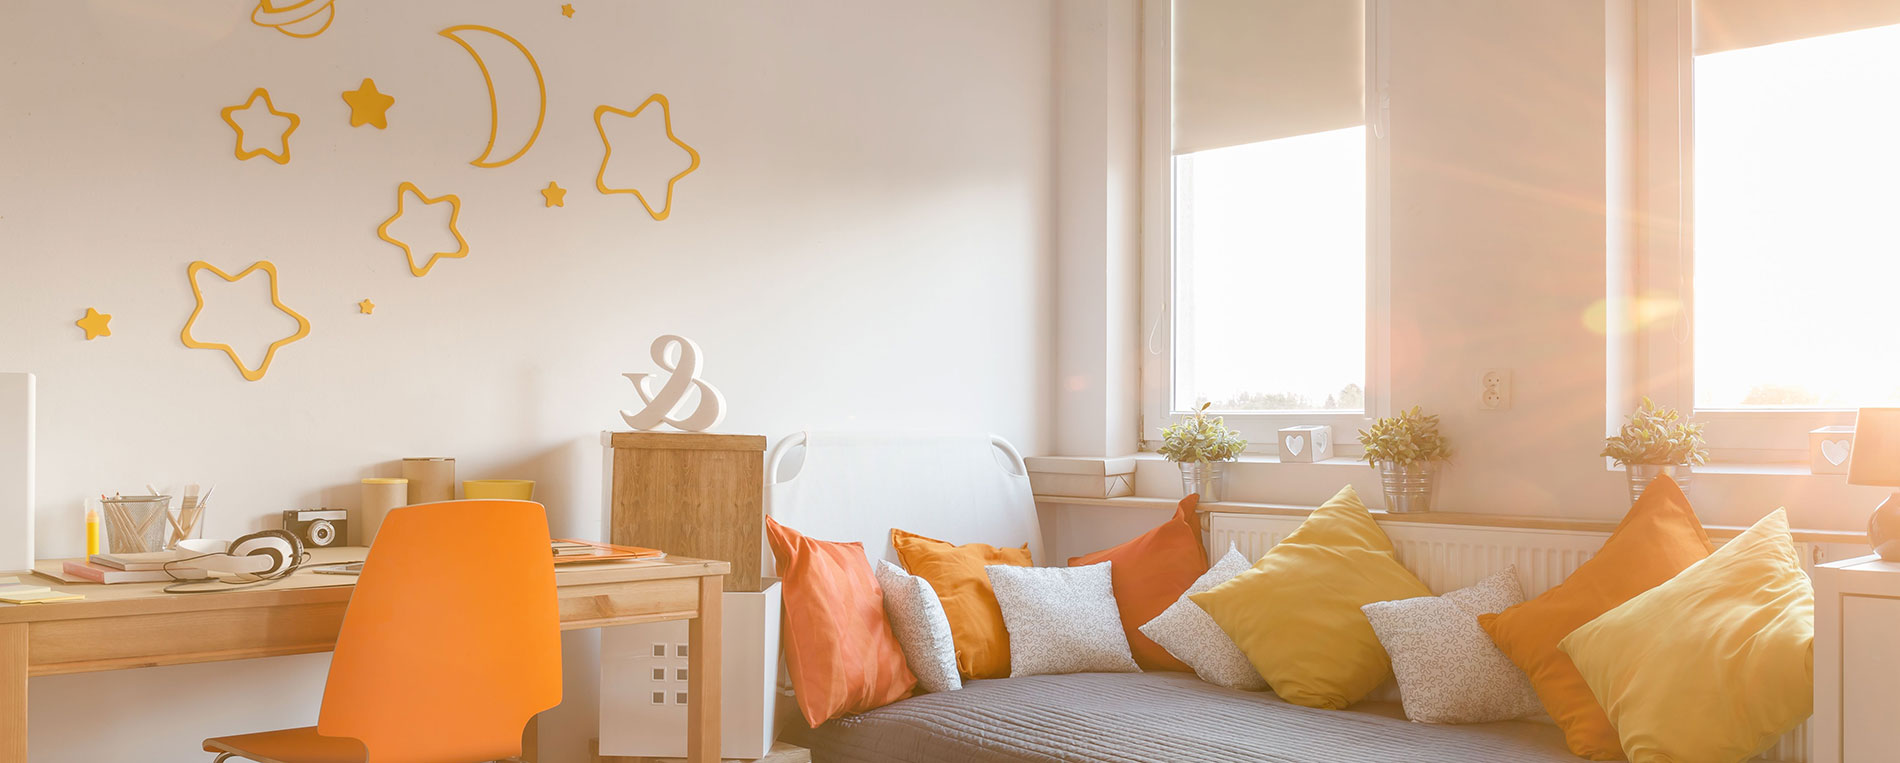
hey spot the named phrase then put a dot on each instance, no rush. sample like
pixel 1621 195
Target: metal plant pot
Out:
pixel 1205 479
pixel 1640 476
pixel 1408 488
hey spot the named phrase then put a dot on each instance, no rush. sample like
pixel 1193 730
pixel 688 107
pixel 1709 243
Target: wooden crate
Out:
pixel 692 494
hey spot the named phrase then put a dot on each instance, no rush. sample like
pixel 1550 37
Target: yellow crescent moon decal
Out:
pixel 494 107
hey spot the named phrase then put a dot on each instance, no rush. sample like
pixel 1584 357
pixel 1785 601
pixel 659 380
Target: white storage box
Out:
pixel 1306 444
pixel 1829 449
pixel 1081 477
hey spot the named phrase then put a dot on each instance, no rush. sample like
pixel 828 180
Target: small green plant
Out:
pixel 1200 439
pixel 1406 439
pixel 1657 435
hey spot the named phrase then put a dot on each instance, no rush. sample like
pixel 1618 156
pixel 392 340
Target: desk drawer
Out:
pixel 174 638
pixel 608 604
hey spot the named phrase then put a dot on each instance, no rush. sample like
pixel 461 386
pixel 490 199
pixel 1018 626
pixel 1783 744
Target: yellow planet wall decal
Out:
pixel 296 18
pixel 494 104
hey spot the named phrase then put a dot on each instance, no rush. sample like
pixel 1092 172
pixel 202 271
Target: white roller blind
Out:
pixel 1252 70
pixel 1730 24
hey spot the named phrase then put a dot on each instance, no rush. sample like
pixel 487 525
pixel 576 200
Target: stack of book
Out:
pixel 12 591
pixel 134 568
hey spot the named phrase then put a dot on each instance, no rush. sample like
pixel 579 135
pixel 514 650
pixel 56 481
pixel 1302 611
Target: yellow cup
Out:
pixel 517 490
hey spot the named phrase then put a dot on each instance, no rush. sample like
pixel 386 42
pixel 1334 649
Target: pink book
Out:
pixel 99 574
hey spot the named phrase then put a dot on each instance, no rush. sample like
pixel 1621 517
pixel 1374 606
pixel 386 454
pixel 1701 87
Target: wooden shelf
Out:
pixel 1502 521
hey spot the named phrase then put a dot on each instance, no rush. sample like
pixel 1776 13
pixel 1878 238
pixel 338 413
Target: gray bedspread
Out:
pixel 1163 717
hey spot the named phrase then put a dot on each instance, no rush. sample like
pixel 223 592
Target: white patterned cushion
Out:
pixel 1061 620
pixel 1448 670
pixel 922 630
pixel 1186 631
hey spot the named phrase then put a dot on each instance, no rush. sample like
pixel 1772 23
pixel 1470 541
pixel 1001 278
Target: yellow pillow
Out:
pixel 1296 613
pixel 1713 665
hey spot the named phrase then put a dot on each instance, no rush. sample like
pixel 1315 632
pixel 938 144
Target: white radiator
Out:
pixel 1448 557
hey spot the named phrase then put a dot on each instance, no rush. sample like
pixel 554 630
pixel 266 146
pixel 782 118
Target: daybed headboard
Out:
pixel 969 488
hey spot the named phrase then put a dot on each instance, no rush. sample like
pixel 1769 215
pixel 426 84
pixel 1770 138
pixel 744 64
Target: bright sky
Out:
pixel 1270 279
pixel 1797 190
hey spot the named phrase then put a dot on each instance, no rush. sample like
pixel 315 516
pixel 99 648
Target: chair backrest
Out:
pixel 452 638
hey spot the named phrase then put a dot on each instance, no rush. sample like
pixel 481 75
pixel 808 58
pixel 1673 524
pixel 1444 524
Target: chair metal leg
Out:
pixel 222 757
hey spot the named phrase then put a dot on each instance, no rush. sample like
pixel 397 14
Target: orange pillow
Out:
pixel 1657 539
pixel 838 646
pixel 956 574
pixel 1151 572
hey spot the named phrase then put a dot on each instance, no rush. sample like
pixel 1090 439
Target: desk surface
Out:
pixel 137 625
pixel 307 587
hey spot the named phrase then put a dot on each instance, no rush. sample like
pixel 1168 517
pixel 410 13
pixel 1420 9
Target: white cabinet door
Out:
pixel 1870 686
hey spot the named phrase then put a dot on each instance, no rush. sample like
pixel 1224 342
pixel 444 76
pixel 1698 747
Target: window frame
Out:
pixel 1661 362
pixel 1157 250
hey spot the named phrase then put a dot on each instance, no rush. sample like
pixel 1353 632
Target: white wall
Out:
pixel 867 245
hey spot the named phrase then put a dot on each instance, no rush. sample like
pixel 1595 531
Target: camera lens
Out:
pixel 322 533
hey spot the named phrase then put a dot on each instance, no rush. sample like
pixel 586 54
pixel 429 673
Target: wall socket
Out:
pixel 1494 389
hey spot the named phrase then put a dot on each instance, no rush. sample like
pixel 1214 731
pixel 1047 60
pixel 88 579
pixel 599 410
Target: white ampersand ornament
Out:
pixel 659 406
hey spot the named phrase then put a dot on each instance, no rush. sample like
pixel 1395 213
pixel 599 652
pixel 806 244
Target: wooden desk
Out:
pixel 137 625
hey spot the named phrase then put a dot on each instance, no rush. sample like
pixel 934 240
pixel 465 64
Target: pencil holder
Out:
pixel 136 524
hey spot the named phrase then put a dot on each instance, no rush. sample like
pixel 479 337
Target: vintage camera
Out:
pixel 318 527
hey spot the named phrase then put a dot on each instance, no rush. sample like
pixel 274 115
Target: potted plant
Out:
pixel 1408 450
pixel 1657 440
pixel 1202 446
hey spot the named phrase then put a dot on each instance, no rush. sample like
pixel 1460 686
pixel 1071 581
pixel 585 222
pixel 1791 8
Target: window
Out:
pixel 1257 283
pixel 1763 259
pixel 1270 273
pixel 1797 181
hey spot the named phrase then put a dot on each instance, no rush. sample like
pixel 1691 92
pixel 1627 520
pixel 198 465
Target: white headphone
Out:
pixel 263 555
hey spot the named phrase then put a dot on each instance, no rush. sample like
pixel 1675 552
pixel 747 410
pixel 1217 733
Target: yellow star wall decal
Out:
pixel 197 292
pixel 568 10
pixel 666 113
pixel 455 213
pixel 282 155
pixel 366 307
pixel 95 324
pixel 368 107
pixel 555 195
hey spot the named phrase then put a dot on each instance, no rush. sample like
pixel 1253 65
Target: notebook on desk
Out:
pixel 568 551
pixel 12 591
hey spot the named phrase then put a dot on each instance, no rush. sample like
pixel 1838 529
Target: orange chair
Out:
pixel 451 643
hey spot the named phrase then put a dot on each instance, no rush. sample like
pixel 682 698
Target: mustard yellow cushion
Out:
pixel 1713 665
pixel 1296 613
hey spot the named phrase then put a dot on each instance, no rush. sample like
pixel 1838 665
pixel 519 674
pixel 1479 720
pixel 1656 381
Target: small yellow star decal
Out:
pixel 197 292
pixel 455 213
pixel 556 195
pixel 282 156
pixel 568 10
pixel 666 113
pixel 366 307
pixel 95 324
pixel 368 107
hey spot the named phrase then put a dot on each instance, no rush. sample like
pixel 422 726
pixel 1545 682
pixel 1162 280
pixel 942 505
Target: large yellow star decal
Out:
pixel 197 293
pixel 666 112
pixel 455 213
pixel 281 156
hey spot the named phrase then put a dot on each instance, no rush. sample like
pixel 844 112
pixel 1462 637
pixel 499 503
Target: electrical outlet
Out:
pixel 1494 389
